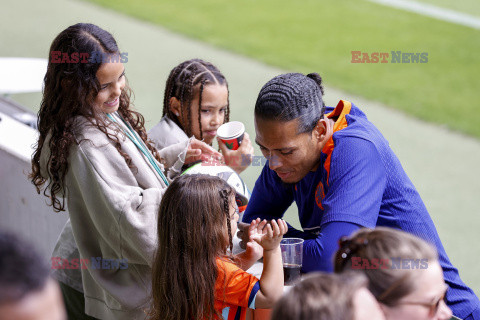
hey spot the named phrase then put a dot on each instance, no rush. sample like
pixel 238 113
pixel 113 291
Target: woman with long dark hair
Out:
pixel 94 153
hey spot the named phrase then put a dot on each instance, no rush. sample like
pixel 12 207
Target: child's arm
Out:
pixel 247 258
pixel 271 281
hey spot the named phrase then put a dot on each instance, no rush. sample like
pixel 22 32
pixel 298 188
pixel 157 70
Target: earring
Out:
pixel 177 114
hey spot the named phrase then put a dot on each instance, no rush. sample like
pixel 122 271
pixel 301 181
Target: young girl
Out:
pixel 93 151
pixel 195 104
pixel 194 277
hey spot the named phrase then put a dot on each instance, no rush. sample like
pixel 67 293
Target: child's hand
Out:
pixel 268 235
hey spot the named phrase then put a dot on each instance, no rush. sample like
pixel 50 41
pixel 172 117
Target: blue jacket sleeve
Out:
pixel 270 197
pixel 318 253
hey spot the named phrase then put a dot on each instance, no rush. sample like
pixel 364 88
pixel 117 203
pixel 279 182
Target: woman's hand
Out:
pixel 238 159
pixel 198 150
pixel 268 235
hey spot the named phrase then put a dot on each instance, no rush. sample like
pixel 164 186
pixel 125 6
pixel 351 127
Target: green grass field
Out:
pixel 311 35
pixel 471 7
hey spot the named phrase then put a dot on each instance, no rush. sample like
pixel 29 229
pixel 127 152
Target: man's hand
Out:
pixel 198 150
pixel 254 251
pixel 238 159
pixel 243 234
pixel 247 258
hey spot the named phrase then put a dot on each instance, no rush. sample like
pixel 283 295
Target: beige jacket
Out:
pixel 113 212
pixel 166 132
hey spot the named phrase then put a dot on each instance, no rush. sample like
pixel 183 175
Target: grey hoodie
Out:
pixel 166 132
pixel 113 214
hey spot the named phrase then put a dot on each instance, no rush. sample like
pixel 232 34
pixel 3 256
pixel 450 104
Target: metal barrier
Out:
pixel 22 210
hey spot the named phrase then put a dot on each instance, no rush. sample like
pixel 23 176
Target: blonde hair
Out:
pixel 390 280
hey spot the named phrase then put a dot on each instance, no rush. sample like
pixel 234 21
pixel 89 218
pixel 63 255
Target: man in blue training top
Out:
pixel 341 173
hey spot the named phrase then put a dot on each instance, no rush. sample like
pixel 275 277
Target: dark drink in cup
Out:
pixel 291 274
pixel 292 255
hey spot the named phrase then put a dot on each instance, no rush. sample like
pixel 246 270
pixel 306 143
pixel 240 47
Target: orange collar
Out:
pixel 341 110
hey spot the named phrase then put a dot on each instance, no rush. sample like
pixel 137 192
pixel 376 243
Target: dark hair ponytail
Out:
pixel 316 77
pixel 292 96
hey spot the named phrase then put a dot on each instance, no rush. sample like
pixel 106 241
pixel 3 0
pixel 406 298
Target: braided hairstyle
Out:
pixel 292 96
pixel 183 82
pixel 191 239
pixel 226 195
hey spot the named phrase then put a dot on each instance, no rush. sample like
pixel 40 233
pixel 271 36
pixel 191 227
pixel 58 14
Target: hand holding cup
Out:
pixel 231 134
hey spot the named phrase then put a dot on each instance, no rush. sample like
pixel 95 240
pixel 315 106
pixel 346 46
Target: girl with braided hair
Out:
pixel 94 153
pixel 194 275
pixel 196 103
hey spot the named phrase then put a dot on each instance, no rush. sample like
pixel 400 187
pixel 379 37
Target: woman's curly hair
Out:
pixel 69 91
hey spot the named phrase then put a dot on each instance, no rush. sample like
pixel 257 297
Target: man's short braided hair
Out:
pixel 292 96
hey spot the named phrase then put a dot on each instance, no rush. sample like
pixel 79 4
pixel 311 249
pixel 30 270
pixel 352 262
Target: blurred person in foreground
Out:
pixel 403 271
pixel 322 296
pixel 26 290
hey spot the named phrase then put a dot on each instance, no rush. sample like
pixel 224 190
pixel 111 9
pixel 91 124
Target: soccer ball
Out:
pixel 229 175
